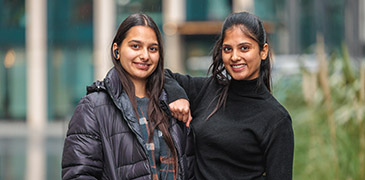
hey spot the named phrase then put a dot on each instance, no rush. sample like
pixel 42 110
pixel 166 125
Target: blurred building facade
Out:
pixel 51 50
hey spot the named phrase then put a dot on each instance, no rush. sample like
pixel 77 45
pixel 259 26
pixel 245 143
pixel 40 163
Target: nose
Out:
pixel 235 56
pixel 144 54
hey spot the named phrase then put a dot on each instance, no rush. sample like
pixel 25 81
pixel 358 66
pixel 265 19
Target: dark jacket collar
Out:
pixel 114 88
pixel 111 84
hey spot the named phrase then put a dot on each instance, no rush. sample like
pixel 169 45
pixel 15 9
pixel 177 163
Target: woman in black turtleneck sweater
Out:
pixel 241 131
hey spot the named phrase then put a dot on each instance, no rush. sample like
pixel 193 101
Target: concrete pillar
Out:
pixel 293 25
pixel 174 13
pixel 352 27
pixel 243 5
pixel 36 49
pixel 104 30
pixel 362 22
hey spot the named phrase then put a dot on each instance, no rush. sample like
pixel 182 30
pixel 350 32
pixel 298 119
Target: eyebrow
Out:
pixel 240 44
pixel 140 42
pixel 136 41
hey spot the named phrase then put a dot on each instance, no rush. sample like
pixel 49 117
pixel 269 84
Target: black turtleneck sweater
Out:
pixel 250 138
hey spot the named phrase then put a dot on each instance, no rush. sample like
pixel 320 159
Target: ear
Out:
pixel 115 48
pixel 264 51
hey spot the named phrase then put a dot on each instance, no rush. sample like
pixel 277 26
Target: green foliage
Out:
pixel 320 154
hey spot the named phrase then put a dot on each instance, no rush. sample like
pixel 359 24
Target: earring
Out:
pixel 116 53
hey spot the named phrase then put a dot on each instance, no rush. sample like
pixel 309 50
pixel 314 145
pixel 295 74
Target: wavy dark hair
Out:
pixel 253 27
pixel 154 85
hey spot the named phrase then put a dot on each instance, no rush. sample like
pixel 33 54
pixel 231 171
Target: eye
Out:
pixel 227 49
pixel 135 46
pixel 153 49
pixel 245 48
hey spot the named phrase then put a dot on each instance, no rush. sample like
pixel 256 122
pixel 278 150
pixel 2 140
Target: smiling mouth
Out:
pixel 142 66
pixel 238 66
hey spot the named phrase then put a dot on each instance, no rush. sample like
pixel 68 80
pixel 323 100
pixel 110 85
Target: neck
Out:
pixel 140 88
pixel 247 87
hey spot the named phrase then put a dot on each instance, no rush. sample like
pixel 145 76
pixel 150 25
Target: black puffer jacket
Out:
pixel 104 142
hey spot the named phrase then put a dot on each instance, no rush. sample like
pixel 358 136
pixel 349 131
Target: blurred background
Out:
pixel 51 50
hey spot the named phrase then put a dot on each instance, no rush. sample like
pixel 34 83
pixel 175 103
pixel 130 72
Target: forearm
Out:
pixel 191 85
pixel 174 90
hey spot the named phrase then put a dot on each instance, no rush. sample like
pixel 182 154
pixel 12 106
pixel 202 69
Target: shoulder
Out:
pixel 97 95
pixel 274 117
pixel 96 99
pixel 276 109
pixel 211 83
pixel 278 122
pixel 89 106
pixel 90 102
pixel 86 117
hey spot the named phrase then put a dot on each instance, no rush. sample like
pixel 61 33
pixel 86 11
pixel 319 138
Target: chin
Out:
pixel 239 78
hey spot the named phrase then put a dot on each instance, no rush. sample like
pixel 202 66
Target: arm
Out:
pixel 82 153
pixel 173 89
pixel 177 97
pixel 279 151
pixel 191 85
pixel 178 100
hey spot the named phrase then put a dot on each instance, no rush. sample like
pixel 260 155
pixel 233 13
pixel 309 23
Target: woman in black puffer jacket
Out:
pixel 123 128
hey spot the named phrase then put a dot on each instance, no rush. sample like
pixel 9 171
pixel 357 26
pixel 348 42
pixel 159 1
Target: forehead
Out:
pixel 237 33
pixel 142 33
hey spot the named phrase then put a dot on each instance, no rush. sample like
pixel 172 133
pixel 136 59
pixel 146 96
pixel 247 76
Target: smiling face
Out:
pixel 241 54
pixel 139 53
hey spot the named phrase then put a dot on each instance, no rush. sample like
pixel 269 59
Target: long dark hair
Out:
pixel 253 27
pixel 154 84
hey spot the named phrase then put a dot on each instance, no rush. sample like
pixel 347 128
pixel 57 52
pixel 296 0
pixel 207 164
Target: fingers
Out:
pixel 182 114
pixel 180 109
pixel 185 116
pixel 180 117
pixel 175 112
pixel 189 120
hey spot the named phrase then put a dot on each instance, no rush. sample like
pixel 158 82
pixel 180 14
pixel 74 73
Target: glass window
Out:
pixel 197 47
pixel 309 18
pixel 204 10
pixel 70 62
pixel 12 158
pixel 151 7
pixel 12 60
pixel 197 53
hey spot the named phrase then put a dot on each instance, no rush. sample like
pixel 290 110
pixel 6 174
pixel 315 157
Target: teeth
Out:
pixel 143 65
pixel 237 66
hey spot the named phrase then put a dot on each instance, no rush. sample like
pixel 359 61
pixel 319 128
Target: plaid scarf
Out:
pixel 159 154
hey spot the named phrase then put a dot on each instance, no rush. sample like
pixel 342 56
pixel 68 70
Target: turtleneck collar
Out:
pixel 247 87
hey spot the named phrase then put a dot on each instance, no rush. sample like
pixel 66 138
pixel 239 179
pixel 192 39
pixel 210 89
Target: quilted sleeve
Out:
pixel 82 153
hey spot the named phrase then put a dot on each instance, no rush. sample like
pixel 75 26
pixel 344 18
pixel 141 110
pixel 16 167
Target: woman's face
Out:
pixel 139 53
pixel 241 54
